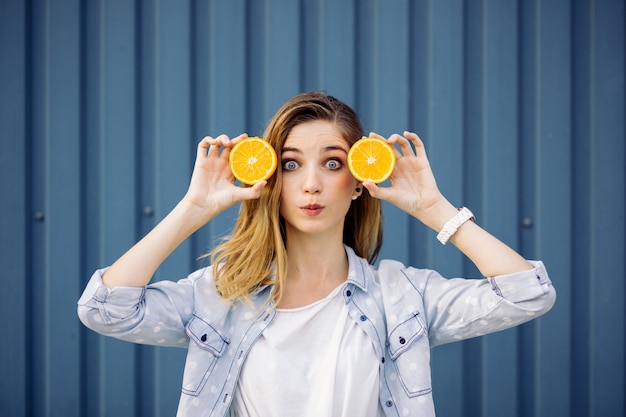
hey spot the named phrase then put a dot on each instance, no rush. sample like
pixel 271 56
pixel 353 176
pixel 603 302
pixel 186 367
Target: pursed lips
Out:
pixel 312 209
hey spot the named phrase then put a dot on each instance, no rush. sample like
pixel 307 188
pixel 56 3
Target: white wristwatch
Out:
pixel 454 223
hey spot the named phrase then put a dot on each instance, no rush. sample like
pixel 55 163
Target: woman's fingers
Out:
pixel 420 149
pixel 216 145
pixel 203 147
pixel 254 191
pixel 219 146
pixel 403 143
pixel 212 153
pixel 374 190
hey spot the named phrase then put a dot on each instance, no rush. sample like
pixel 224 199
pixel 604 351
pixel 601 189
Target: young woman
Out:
pixel 292 319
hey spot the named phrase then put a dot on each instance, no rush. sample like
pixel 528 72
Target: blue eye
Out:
pixel 290 165
pixel 333 164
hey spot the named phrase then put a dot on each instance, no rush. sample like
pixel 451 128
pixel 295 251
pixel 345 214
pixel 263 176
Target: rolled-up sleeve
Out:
pixel 155 314
pixel 458 309
pixel 526 287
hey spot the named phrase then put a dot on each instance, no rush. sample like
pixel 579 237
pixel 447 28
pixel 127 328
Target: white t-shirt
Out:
pixel 312 361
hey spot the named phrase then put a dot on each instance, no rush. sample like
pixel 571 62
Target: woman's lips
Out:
pixel 312 209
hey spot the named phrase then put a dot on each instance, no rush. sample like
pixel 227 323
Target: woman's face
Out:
pixel 317 187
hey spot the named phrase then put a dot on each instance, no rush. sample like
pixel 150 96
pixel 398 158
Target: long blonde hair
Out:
pixel 255 254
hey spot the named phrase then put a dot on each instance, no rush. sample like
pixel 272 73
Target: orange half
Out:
pixel 252 160
pixel 371 159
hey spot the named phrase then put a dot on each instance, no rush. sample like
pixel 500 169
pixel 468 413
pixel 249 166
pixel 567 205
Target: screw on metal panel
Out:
pixel 148 211
pixel 527 222
pixel 39 217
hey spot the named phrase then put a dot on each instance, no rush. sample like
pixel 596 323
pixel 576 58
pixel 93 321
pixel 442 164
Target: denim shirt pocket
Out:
pixel 409 349
pixel 205 348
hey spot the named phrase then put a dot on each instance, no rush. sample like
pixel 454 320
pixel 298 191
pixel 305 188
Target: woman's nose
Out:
pixel 312 183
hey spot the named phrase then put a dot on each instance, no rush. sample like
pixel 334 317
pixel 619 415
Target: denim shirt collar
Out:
pixel 357 269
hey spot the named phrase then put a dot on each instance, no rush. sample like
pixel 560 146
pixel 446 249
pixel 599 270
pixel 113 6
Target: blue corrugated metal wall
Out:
pixel 521 104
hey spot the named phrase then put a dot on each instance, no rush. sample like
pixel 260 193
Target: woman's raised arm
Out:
pixel 414 190
pixel 211 191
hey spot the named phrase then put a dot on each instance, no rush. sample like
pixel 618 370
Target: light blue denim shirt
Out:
pixel 405 311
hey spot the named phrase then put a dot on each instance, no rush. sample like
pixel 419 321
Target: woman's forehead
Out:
pixel 318 132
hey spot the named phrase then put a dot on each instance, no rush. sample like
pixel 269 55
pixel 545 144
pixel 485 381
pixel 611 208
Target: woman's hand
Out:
pixel 212 188
pixel 413 186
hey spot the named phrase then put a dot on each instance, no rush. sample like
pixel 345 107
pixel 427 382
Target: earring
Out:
pixel 358 189
pixel 354 197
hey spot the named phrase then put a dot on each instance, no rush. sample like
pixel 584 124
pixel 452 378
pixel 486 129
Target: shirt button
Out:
pixel 203 338
pixel 388 403
pixel 363 317
pixel 402 340
pixel 348 293
pixel 382 359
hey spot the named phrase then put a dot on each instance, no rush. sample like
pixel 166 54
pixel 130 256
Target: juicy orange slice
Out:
pixel 252 160
pixel 371 159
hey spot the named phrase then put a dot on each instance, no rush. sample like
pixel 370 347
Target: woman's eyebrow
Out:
pixel 291 150
pixel 326 149
pixel 336 148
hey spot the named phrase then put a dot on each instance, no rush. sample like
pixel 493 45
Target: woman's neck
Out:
pixel 313 271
